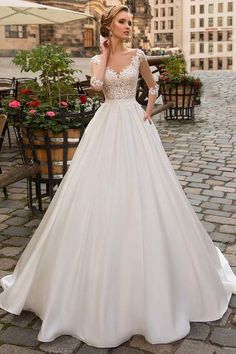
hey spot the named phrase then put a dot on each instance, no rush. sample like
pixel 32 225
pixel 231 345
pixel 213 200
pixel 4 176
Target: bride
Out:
pixel 120 250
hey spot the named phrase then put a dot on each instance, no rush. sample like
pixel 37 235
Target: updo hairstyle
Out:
pixel 108 17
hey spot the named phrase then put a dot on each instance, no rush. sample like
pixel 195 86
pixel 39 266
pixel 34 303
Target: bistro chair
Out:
pixel 7 87
pixel 84 88
pixel 7 90
pixel 3 128
pixel 22 82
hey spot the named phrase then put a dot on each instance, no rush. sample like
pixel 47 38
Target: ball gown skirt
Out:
pixel 120 250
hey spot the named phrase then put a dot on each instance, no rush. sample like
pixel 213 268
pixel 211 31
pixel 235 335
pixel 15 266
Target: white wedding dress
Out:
pixel 120 250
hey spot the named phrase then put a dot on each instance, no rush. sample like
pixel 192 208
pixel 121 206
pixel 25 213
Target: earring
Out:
pixel 110 33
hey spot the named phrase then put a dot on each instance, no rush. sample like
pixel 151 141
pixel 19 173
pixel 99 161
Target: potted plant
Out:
pixel 178 87
pixel 49 116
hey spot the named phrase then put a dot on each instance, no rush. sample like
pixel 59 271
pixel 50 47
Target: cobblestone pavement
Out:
pixel 204 157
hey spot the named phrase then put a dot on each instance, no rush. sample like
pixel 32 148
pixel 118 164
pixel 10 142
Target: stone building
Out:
pixel 141 30
pixel 208 40
pixel 14 38
pixel 81 38
pixel 167 23
pixel 203 29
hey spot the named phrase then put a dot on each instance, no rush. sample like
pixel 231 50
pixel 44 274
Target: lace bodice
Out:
pixel 123 84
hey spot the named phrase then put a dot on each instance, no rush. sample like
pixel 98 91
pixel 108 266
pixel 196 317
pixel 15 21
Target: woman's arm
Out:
pixel 98 65
pixel 146 73
pixel 98 68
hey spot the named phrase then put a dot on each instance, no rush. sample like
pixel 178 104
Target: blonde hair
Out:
pixel 108 17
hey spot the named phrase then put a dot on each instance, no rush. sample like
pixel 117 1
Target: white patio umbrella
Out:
pixel 19 12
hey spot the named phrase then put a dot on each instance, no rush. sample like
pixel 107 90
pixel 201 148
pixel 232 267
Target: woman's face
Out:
pixel 121 25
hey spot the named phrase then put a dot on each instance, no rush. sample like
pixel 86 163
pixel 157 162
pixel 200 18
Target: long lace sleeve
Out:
pixel 95 82
pixel 146 73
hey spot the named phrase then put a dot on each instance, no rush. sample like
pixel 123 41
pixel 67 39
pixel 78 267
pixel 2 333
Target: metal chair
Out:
pixel 7 89
pixel 3 128
pixel 22 82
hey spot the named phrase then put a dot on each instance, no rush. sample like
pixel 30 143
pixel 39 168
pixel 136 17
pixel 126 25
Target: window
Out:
pixel 210 47
pixel 156 37
pixel 164 38
pixel 192 63
pixel 220 7
pixel 156 25
pixel 170 24
pixel 219 64
pixel 210 64
pixel 201 36
pixel 192 10
pixel 210 21
pixel 192 48
pixel 163 25
pixel 163 1
pixel 219 36
pixel 230 6
pixel 220 21
pixel 229 21
pixel 15 31
pixel 192 36
pixel 220 47
pixel 201 10
pixel 211 8
pixel 201 47
pixel 192 23
pixel 163 12
pixel 210 36
pixel 156 12
pixel 201 22
pixel 229 47
pixel 201 64
pixel 88 37
pixel 229 35
pixel 171 1
pixel 170 11
pixel 156 2
pixel 229 62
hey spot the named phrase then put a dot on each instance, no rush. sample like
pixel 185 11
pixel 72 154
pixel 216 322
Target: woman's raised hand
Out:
pixel 105 46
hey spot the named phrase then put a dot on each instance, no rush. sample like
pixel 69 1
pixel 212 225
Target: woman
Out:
pixel 120 250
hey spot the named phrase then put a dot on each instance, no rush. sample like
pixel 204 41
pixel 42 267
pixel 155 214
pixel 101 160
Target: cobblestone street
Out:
pixel 203 154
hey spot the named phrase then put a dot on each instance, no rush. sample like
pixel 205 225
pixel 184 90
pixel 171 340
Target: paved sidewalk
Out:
pixel 204 157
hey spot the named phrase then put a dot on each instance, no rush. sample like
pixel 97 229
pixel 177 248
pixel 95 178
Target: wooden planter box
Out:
pixel 53 152
pixel 182 97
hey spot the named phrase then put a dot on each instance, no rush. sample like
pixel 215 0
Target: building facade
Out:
pixel 202 29
pixel 14 38
pixel 166 24
pixel 208 41
pixel 81 38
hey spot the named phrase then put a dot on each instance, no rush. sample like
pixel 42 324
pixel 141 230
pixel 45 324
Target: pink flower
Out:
pixel 63 104
pixel 50 114
pixel 32 111
pixel 14 104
